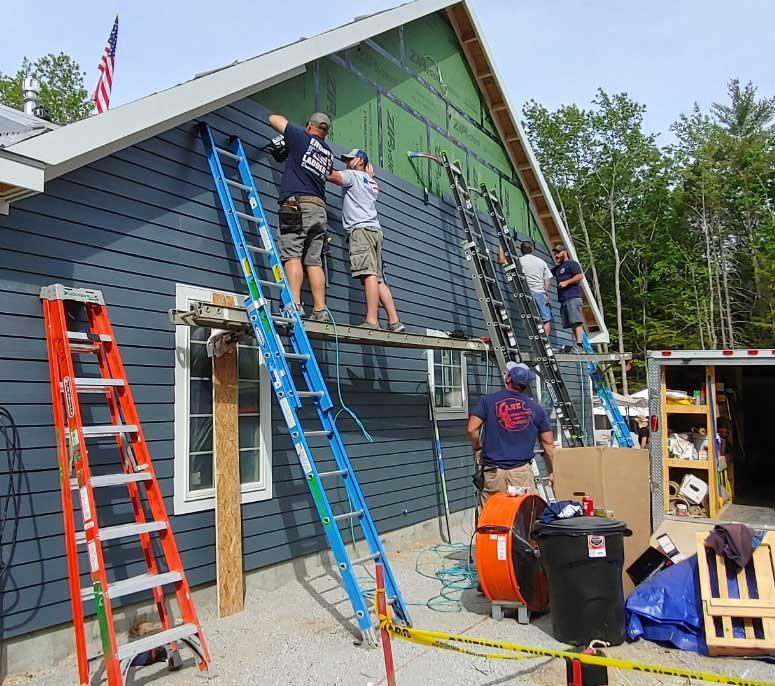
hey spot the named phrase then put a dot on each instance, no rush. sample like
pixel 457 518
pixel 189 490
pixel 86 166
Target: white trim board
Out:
pixel 185 502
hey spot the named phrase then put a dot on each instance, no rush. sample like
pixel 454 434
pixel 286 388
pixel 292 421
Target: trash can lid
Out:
pixel 582 526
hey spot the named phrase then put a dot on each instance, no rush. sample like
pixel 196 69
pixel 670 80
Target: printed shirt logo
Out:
pixel 513 414
pixel 318 159
pixel 370 182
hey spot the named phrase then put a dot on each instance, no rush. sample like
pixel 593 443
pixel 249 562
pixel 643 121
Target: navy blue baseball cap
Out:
pixel 519 373
pixel 356 152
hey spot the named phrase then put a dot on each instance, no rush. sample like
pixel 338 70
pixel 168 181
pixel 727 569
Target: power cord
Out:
pixel 9 509
pixel 344 407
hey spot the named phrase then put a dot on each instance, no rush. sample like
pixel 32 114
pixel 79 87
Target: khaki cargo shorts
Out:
pixel 499 480
pixel 303 233
pixel 366 253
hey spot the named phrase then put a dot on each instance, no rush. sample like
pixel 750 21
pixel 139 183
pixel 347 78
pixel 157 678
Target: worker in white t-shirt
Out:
pixel 537 275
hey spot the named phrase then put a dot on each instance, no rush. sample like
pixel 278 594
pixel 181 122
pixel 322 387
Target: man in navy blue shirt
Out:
pixel 302 199
pixel 504 426
pixel 569 275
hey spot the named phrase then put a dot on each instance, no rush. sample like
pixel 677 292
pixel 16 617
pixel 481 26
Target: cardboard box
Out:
pixel 683 534
pixel 618 480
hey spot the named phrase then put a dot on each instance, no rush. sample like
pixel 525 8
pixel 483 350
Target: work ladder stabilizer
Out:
pixel 264 324
pixel 600 387
pixel 543 354
pixel 164 570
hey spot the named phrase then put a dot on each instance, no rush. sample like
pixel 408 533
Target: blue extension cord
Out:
pixel 454 579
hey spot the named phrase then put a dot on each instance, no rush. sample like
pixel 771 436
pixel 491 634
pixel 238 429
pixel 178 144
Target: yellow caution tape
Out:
pixel 438 639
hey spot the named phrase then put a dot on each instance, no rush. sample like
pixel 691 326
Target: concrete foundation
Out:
pixel 44 649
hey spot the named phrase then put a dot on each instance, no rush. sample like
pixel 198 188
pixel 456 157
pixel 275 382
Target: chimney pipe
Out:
pixel 31 89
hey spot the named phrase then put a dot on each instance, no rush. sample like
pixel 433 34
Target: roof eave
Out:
pixel 91 139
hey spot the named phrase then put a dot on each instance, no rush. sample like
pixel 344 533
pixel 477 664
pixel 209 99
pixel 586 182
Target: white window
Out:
pixel 194 473
pixel 449 381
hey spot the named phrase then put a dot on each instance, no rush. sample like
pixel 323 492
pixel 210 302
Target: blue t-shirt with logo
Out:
pixel 309 163
pixel 563 272
pixel 512 422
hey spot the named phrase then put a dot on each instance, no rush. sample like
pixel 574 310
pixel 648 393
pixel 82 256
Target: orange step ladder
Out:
pixel 96 342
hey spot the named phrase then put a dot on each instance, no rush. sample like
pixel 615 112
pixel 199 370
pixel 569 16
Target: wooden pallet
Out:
pixel 738 599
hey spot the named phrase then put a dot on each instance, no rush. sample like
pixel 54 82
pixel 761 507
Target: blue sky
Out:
pixel 665 53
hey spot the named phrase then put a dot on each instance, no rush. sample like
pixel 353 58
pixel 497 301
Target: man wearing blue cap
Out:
pixel 359 218
pixel 504 426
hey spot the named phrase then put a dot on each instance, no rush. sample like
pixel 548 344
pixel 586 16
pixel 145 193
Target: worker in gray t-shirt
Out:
pixel 359 218
pixel 537 274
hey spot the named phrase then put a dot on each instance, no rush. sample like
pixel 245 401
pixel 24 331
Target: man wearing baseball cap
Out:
pixel 504 426
pixel 302 200
pixel 359 218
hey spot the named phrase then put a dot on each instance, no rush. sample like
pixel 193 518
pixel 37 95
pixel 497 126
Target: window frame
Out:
pixel 448 413
pixel 186 501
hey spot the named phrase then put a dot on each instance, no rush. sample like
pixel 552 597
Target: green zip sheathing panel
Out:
pixel 408 89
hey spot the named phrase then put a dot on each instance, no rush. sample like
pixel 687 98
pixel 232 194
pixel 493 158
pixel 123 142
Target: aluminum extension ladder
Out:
pixel 164 568
pixel 542 350
pixel 488 291
pixel 264 323
pixel 618 424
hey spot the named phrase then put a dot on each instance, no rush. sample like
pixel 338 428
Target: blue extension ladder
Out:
pixel 290 399
pixel 618 424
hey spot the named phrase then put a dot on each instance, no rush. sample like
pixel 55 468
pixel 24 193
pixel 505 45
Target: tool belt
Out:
pixel 296 200
pixel 290 211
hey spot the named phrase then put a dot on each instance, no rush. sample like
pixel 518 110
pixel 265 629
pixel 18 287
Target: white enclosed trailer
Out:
pixel 734 389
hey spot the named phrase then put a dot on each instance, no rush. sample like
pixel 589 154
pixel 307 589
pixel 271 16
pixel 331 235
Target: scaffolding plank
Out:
pixel 235 318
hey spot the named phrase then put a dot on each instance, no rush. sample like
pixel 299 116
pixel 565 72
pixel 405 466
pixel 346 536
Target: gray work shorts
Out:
pixel 572 314
pixel 303 237
pixel 366 253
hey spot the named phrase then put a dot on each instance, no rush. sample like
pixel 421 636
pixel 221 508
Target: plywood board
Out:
pixel 618 480
pixel 228 516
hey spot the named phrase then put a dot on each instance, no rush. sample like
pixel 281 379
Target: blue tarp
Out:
pixel 668 608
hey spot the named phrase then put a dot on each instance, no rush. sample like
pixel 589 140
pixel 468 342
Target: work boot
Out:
pixel 321 316
pixel 568 349
pixel 396 327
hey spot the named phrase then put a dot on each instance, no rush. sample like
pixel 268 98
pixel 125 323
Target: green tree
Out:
pixel 62 91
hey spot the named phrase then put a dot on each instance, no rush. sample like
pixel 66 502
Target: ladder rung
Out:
pixel 146 643
pixel 335 472
pixel 105 480
pixel 259 251
pixel 236 184
pixel 108 430
pixel 95 384
pixel 271 284
pixel 283 320
pixel 310 394
pixel 248 217
pixel 93 337
pixel 301 357
pixel 108 533
pixel 227 153
pixel 348 515
pixel 134 584
pixel 365 558
pixel 313 434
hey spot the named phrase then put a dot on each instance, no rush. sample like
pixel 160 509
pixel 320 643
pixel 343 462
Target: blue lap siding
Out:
pixel 146 218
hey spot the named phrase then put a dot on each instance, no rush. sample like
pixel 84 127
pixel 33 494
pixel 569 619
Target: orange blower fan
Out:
pixel 507 557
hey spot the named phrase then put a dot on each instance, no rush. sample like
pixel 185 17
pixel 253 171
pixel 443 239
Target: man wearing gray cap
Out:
pixel 359 219
pixel 503 429
pixel 302 199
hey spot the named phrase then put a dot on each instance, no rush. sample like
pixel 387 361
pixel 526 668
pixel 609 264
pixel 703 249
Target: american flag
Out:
pixel 107 65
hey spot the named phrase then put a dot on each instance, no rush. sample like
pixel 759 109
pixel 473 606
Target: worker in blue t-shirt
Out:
pixel 504 426
pixel 302 200
pixel 569 275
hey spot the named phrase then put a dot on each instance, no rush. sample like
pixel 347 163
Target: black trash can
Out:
pixel 583 558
